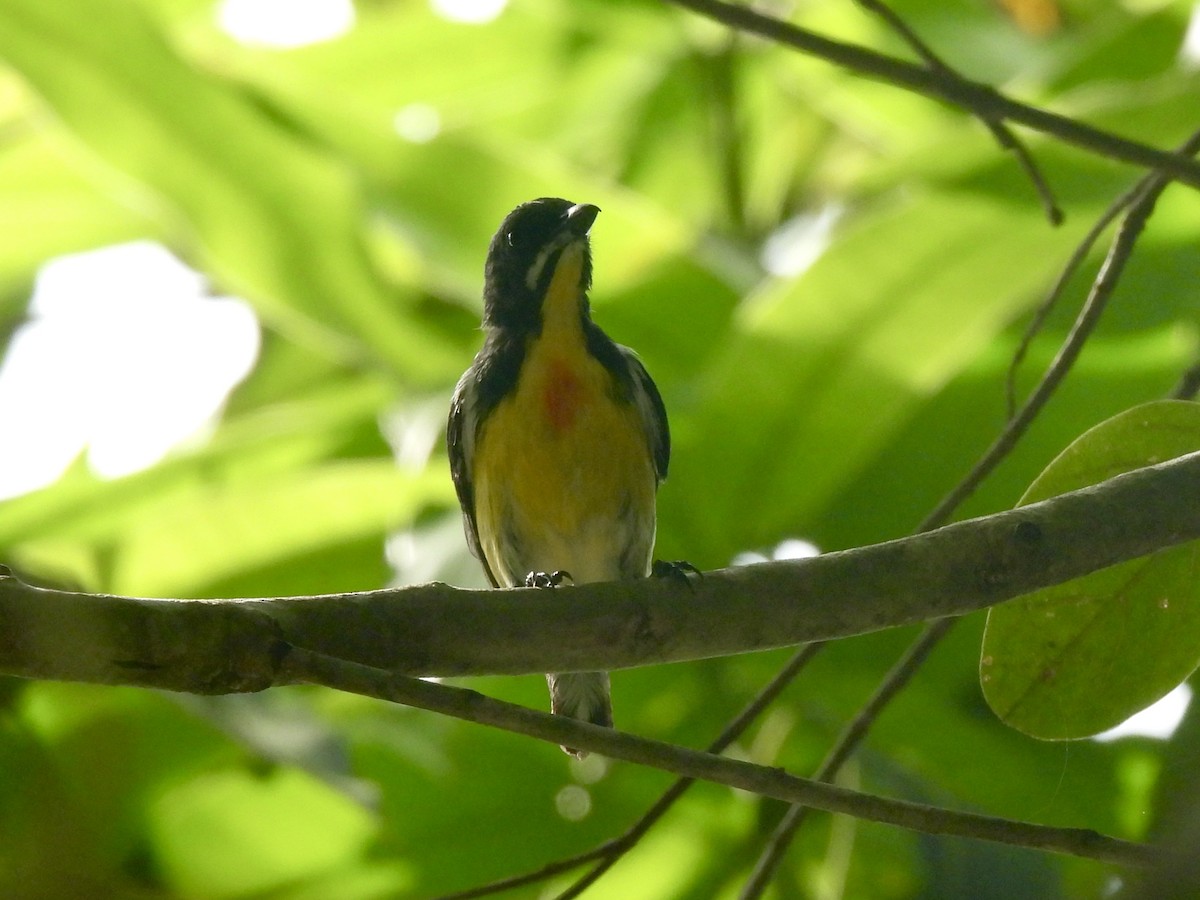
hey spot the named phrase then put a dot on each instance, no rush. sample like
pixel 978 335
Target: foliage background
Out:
pixel 836 405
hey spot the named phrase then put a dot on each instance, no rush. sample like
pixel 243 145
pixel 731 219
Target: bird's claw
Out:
pixel 678 570
pixel 547 579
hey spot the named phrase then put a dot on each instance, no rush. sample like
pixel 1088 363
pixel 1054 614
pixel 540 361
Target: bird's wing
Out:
pixel 460 444
pixel 653 412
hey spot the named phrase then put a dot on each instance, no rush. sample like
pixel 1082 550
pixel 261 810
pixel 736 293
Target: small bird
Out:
pixel 557 436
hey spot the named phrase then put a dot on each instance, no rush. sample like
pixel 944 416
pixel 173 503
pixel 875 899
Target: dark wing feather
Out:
pixel 491 377
pixel 460 444
pixel 653 412
pixel 634 383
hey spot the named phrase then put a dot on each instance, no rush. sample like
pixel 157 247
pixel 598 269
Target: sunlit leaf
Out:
pixel 275 215
pixel 843 355
pixel 50 208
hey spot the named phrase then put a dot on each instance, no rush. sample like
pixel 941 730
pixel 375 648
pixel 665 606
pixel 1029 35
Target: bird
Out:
pixel 557 436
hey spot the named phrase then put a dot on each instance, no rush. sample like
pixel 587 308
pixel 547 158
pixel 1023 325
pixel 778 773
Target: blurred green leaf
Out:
pixel 268 494
pixel 1075 659
pixel 265 838
pixel 1127 47
pixel 348 189
pixel 49 209
pixel 844 355
pixel 274 216
pixel 270 520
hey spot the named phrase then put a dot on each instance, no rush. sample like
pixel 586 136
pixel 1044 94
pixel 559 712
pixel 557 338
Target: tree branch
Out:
pixel 985 102
pixel 210 646
pixel 1001 132
pixel 471 706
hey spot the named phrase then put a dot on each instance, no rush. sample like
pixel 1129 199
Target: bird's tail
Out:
pixel 581 695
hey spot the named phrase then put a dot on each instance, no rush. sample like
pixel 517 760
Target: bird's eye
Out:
pixel 511 239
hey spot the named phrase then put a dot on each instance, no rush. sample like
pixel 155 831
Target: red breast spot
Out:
pixel 562 395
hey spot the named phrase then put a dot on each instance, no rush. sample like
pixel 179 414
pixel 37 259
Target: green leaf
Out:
pixel 249 525
pixel 230 833
pixel 50 209
pixel 831 365
pixel 273 490
pixel 275 215
pixel 1078 658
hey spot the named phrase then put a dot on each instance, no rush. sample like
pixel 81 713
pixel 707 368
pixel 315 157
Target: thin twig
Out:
pixel 1082 249
pixel 460 703
pixel 722 77
pixel 896 679
pixel 984 101
pixel 1102 289
pixel 1001 132
pixel 1124 201
pixel 732 732
pixel 843 748
pixel 613 849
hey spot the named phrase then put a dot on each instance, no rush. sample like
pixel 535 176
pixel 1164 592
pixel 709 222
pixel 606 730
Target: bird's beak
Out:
pixel 580 218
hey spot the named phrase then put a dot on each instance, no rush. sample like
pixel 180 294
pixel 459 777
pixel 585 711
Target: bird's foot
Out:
pixel 547 579
pixel 678 570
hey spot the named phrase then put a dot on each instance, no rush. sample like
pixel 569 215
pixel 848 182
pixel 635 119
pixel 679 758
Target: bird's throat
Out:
pixel 558 362
pixel 562 314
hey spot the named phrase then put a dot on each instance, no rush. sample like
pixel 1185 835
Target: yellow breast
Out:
pixel 563 475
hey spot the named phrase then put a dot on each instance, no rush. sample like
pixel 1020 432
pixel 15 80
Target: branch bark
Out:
pixel 226 646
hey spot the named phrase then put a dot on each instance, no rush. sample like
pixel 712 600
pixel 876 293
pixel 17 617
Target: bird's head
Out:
pixel 531 243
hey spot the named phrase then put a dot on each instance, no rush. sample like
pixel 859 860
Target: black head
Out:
pixel 523 255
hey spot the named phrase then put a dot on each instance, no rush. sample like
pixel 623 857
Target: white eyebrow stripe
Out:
pixel 534 275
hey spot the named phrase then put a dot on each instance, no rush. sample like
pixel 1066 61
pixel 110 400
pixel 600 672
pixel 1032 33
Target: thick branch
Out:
pixel 205 646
